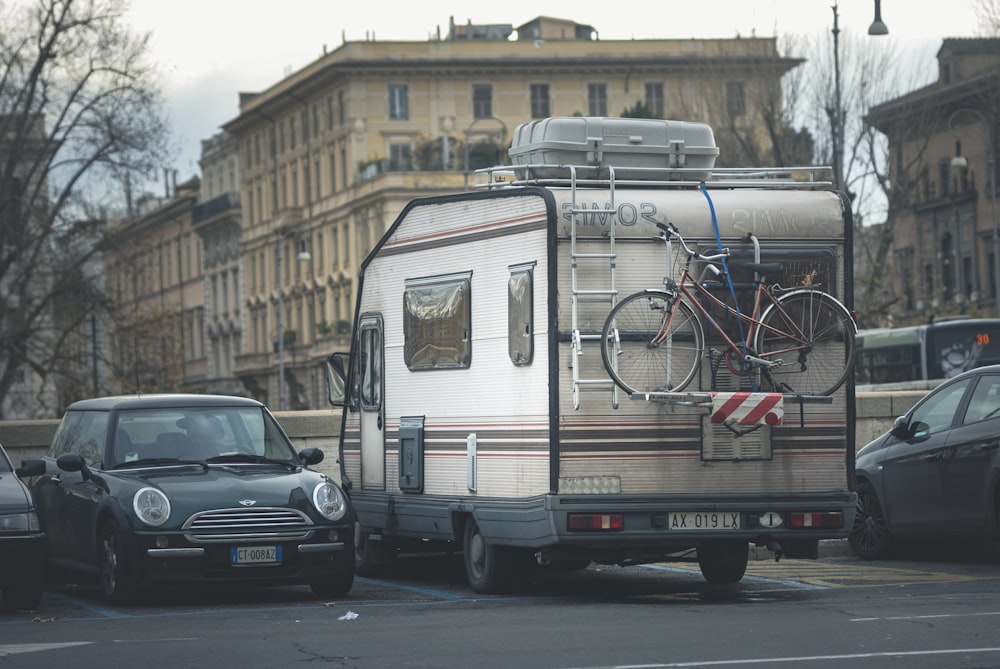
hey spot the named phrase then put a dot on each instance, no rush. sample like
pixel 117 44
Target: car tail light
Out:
pixel 595 522
pixel 822 519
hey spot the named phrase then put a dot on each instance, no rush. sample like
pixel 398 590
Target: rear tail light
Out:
pixel 823 519
pixel 595 522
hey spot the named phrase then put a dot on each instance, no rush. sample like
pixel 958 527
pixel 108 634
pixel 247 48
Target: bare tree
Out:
pixel 988 15
pixel 80 118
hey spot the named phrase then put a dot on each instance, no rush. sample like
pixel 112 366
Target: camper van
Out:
pixel 496 401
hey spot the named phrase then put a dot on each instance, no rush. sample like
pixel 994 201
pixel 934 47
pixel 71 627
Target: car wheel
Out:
pixel 870 538
pixel 339 582
pixel 723 561
pixel 115 572
pixel 488 567
pixel 24 596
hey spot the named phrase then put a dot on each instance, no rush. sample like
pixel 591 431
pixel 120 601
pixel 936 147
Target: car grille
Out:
pixel 244 524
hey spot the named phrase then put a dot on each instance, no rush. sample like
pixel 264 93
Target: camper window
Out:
pixel 520 318
pixel 437 323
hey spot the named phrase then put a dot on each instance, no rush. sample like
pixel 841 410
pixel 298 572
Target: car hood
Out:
pixel 13 495
pixel 268 485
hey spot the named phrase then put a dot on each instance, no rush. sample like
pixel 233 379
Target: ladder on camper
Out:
pixel 607 295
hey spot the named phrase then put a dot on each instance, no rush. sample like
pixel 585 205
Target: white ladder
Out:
pixel 609 294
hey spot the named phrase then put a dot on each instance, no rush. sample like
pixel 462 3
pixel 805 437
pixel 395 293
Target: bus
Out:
pixel 930 352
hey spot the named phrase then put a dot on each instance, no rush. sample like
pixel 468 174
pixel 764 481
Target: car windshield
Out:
pixel 198 434
pixel 4 463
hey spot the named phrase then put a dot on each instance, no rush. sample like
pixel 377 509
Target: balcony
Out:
pixel 216 205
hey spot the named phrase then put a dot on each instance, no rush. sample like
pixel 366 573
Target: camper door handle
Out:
pixel 379 421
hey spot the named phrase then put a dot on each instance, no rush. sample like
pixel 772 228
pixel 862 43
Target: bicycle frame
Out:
pixel 691 288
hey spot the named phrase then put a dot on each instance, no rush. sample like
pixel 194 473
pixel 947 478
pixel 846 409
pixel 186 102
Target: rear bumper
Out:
pixel 21 558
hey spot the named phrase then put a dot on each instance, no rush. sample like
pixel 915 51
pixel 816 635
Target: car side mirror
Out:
pixel 901 428
pixel 73 462
pixel 311 456
pixel 29 468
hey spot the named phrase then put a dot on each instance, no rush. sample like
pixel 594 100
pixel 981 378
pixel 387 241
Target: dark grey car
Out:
pixel 934 474
pixel 22 541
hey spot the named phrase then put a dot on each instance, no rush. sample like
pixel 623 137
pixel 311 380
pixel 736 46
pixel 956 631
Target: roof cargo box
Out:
pixel 662 149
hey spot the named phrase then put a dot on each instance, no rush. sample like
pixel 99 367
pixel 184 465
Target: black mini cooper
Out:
pixel 159 490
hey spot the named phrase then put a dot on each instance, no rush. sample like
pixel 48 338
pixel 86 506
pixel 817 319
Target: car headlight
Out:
pixel 19 522
pixel 329 501
pixel 151 506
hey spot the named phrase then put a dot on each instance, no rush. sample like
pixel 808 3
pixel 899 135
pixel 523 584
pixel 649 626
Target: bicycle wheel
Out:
pixel 811 335
pixel 639 357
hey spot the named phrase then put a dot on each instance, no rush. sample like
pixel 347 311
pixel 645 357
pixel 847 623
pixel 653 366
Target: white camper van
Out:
pixel 583 361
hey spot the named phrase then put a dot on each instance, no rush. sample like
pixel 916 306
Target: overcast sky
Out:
pixel 210 50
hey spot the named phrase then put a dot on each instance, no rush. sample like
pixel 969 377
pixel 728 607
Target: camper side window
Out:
pixel 520 315
pixel 437 322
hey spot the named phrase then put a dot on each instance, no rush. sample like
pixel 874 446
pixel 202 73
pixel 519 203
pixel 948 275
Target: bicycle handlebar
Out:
pixel 670 230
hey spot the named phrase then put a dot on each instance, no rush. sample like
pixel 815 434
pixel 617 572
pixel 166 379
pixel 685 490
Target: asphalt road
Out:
pixel 935 607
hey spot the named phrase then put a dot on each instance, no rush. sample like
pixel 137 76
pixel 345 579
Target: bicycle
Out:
pixel 802 338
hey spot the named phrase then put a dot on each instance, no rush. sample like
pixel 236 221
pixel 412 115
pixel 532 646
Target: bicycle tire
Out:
pixel 827 358
pixel 637 364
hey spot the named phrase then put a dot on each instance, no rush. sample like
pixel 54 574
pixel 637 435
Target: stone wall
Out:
pixel 30 438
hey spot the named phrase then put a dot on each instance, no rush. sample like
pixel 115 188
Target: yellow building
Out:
pixel 330 155
pixel 940 248
pixel 154 275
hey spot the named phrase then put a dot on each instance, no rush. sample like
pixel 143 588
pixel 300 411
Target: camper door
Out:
pixel 371 371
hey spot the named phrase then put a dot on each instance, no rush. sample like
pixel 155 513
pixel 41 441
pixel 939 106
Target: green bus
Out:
pixel 937 350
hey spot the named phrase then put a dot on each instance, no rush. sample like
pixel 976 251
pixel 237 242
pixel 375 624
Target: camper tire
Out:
pixel 723 561
pixel 371 558
pixel 489 568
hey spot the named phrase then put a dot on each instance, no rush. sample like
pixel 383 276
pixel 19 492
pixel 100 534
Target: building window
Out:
pixel 437 322
pixel 654 99
pixel 539 100
pixel 400 157
pixel 398 105
pixel 482 100
pixel 520 315
pixel 597 99
pixel 329 112
pixel 735 99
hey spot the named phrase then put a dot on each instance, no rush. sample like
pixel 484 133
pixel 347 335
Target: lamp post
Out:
pixel 960 161
pixel 279 315
pixel 877 28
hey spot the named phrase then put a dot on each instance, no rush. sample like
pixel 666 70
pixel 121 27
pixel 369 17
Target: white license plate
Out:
pixel 240 555
pixel 704 520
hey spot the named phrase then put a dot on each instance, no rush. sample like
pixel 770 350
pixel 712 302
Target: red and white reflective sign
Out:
pixel 747 408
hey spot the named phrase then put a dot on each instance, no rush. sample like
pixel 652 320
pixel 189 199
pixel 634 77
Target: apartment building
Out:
pixel 216 219
pixel 942 219
pixel 153 271
pixel 331 154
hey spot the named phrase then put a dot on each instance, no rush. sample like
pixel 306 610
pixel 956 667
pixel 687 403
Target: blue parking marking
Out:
pixel 102 611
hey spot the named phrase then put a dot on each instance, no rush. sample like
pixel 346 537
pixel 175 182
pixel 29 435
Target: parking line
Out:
pixel 439 594
pixel 102 611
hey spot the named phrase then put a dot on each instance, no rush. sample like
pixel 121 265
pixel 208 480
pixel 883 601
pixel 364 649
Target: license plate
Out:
pixel 704 520
pixel 240 555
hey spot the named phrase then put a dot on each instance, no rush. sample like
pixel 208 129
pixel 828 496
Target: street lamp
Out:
pixel 303 255
pixel 960 161
pixel 877 27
